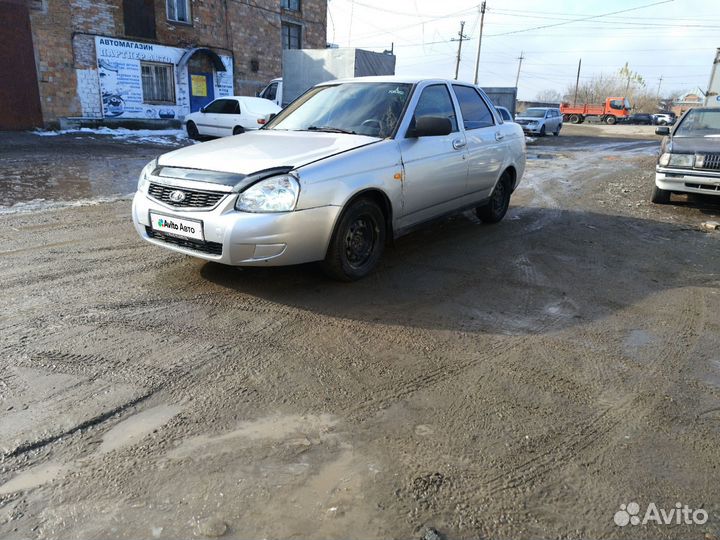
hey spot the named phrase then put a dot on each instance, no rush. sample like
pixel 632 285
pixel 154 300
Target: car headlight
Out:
pixel 676 160
pixel 275 194
pixel 144 179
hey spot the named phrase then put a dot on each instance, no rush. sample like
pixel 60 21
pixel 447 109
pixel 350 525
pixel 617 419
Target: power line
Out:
pixel 583 18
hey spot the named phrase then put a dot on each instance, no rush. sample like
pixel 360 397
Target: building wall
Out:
pixel 64 33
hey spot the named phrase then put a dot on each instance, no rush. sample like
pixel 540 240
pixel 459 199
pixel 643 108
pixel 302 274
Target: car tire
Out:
pixel 611 120
pixel 357 242
pixel 496 208
pixel 660 196
pixel 192 131
pixel 557 131
pixel 238 130
pixel 542 131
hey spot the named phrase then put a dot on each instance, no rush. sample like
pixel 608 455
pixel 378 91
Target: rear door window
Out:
pixel 475 112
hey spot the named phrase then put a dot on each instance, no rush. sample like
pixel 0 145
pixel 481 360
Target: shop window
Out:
pixel 139 18
pixel 158 83
pixel 290 5
pixel 291 36
pixel 178 11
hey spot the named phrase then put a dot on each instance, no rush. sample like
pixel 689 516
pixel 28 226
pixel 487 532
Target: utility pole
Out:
pixel 659 84
pixel 459 40
pixel 517 77
pixel 477 59
pixel 577 82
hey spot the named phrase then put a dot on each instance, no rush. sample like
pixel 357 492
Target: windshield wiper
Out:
pixel 330 129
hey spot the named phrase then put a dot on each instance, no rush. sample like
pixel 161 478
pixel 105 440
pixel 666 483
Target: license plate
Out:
pixel 176 226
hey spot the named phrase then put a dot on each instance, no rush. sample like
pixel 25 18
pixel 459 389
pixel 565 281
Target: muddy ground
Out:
pixel 521 380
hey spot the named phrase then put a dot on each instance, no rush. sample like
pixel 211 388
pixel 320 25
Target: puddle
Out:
pixel 35 477
pixel 268 428
pixel 638 338
pixel 134 428
pixel 541 156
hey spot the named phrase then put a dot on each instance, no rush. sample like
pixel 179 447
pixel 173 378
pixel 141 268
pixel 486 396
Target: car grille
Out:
pixel 706 187
pixel 211 248
pixel 194 198
pixel 711 161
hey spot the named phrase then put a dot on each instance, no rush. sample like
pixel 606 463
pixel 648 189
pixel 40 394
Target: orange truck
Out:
pixel 614 109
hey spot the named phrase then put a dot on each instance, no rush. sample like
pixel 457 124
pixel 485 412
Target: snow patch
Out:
pixel 36 205
pixel 138 136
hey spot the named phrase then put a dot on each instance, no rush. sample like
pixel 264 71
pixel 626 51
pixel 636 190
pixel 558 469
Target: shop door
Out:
pixel 201 90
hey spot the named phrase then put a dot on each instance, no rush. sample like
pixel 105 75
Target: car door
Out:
pixel 435 167
pixel 485 141
pixel 231 116
pixel 209 119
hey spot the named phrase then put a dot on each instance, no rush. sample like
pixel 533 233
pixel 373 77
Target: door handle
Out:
pixel 458 144
pixel 499 136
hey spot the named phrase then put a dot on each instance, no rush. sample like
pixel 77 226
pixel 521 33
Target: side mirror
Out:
pixel 662 130
pixel 257 94
pixel 202 109
pixel 430 126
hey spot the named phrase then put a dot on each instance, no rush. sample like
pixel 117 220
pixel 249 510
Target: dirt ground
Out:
pixel 521 380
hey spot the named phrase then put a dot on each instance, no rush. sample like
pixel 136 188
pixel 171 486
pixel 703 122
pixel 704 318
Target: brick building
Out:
pixel 142 59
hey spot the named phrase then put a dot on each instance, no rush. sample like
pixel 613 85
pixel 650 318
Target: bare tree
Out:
pixel 549 96
pixel 623 83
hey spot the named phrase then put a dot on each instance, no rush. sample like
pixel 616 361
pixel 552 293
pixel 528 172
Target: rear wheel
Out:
pixel 610 120
pixel 660 196
pixel 542 131
pixel 357 242
pixel 237 130
pixel 192 130
pixel 575 119
pixel 496 208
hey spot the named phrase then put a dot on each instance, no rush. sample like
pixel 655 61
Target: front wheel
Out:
pixel 660 196
pixel 357 242
pixel 192 131
pixel 610 120
pixel 542 131
pixel 496 208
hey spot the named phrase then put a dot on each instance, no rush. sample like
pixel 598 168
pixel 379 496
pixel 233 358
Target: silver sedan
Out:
pixel 340 171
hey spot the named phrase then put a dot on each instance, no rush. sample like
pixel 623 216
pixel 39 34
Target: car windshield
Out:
pixel 534 113
pixel 372 109
pixel 699 124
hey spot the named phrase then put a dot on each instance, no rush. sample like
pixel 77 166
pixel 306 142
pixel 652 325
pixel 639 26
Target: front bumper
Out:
pixel 688 181
pixel 242 238
pixel 531 130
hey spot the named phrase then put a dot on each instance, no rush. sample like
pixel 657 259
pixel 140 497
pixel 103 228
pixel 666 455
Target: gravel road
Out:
pixel 521 380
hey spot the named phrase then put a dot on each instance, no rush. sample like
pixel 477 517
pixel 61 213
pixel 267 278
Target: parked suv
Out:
pixel 347 166
pixel 540 121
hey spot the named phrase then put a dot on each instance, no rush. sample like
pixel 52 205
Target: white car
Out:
pixel 230 116
pixel 351 165
pixel 504 114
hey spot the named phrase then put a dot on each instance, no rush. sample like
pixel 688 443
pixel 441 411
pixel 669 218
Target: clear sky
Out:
pixel 675 39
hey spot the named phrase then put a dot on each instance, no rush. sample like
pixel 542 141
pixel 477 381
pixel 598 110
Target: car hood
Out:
pixel 691 145
pixel 265 149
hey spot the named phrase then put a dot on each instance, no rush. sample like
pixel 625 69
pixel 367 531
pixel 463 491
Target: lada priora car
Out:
pixel 343 169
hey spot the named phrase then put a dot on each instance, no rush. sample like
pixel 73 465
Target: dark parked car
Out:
pixel 640 118
pixel 689 160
